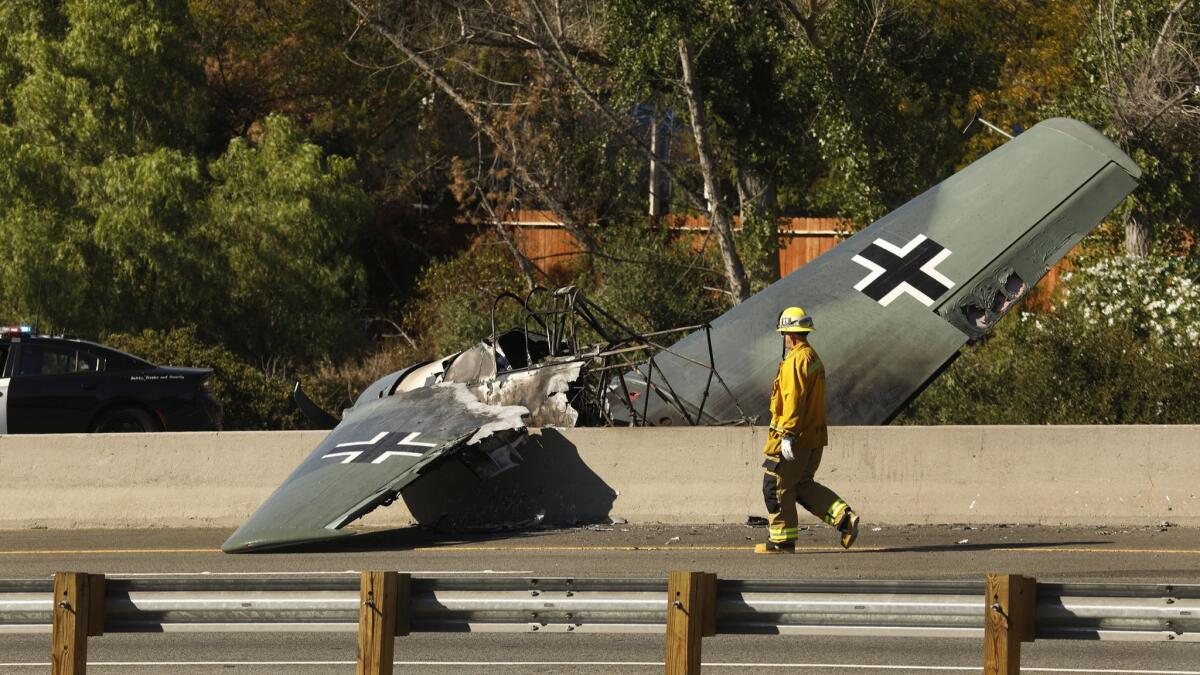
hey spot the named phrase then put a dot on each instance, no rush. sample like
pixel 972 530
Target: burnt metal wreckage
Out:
pixel 605 379
pixel 568 363
pixel 893 305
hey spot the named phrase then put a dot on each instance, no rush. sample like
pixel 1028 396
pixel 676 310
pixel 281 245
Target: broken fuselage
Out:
pixel 893 305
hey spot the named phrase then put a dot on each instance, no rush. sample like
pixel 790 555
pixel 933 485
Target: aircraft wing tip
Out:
pixel 1084 133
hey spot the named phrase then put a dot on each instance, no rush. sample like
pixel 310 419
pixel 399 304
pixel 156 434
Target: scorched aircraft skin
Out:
pixel 892 306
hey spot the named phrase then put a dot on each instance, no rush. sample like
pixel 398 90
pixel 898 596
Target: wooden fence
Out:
pixel 543 239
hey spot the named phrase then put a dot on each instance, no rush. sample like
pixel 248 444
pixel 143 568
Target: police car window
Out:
pixel 3 359
pixel 87 362
pixel 40 360
pixel 115 362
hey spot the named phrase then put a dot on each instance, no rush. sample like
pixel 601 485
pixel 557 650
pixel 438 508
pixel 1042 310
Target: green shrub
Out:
pixel 654 281
pixel 335 386
pixel 646 277
pixel 1122 347
pixel 455 296
pixel 251 399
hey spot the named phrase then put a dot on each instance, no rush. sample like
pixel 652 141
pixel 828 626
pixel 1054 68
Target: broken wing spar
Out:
pixel 892 304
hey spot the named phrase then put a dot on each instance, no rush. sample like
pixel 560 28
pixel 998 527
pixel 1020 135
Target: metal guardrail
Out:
pixel 457 604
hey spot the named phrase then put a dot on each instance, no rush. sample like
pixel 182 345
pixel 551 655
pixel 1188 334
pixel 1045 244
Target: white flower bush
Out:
pixel 1121 346
pixel 1156 298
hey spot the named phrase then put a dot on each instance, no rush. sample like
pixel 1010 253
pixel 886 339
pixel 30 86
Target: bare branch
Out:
pixel 807 20
pixel 564 66
pixel 472 112
pixel 1166 30
pixel 718 222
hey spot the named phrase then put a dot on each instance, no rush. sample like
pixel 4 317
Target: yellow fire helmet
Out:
pixel 795 320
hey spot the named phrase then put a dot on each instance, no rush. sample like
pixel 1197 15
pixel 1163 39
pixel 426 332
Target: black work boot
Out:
pixel 775 547
pixel 849 528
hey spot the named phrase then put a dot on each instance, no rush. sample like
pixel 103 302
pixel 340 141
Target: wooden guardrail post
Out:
pixel 709 595
pixel 691 615
pixel 403 604
pixel 96 597
pixel 1010 618
pixel 78 613
pixel 377 613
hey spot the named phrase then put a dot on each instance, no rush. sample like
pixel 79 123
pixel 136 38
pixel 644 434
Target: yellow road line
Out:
pixel 801 549
pixel 1173 551
pixel 451 548
pixel 109 551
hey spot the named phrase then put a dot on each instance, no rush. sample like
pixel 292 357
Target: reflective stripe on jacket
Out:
pixel 798 399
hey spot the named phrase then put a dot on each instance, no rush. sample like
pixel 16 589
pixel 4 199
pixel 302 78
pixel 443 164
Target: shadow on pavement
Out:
pixel 399 539
pixel 946 548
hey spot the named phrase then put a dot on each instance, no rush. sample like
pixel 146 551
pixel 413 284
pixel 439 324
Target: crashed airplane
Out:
pixel 894 304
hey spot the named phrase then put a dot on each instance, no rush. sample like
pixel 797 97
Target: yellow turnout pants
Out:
pixel 787 482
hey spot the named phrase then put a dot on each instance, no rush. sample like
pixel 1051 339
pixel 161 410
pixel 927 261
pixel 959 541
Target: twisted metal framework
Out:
pixel 565 316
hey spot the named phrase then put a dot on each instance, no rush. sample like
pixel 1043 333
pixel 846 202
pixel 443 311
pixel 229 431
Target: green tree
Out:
pixel 845 108
pixel 145 250
pixel 114 219
pixel 109 77
pixel 1139 81
pixel 282 215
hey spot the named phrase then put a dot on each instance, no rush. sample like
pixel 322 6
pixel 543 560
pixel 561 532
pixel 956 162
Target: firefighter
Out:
pixel 795 442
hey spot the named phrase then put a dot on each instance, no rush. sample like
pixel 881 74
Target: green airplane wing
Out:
pixel 379 448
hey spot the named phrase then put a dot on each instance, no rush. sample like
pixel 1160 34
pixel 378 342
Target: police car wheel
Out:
pixel 125 420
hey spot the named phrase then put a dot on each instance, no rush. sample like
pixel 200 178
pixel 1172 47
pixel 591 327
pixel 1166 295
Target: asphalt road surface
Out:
pixel 1168 554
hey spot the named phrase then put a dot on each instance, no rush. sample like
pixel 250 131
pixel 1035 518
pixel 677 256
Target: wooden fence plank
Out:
pixel 403 604
pixel 709 595
pixel 96 598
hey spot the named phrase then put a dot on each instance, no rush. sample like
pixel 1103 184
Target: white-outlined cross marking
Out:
pixel 411 440
pixel 352 456
pixel 903 270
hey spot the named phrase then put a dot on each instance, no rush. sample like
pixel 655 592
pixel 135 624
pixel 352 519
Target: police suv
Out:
pixel 61 385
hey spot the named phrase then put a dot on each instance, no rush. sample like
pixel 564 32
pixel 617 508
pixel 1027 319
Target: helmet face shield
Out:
pixel 794 320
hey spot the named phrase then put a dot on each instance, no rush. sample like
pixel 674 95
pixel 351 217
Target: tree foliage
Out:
pixel 1139 81
pixel 456 296
pixel 115 221
pixel 291 178
pixel 850 108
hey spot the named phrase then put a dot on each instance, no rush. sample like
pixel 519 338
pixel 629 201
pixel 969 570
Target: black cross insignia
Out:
pixel 903 270
pixel 380 448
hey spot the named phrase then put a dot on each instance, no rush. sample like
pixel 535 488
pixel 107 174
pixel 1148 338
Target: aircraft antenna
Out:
pixel 976 118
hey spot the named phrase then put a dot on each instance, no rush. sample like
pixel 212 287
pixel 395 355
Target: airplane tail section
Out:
pixel 894 303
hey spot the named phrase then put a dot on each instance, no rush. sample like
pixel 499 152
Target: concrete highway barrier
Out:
pixel 1068 475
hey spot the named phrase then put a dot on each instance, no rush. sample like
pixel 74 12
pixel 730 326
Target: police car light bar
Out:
pixel 19 330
